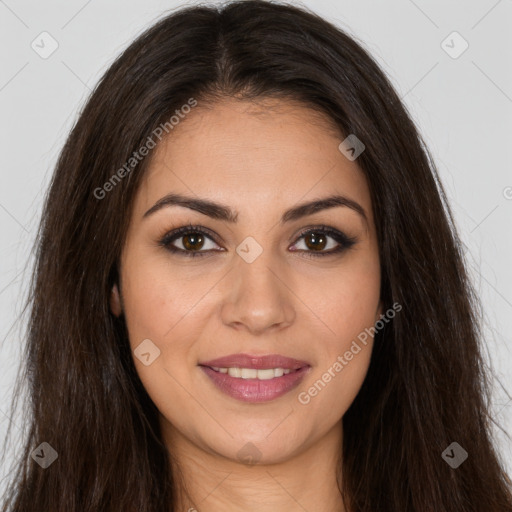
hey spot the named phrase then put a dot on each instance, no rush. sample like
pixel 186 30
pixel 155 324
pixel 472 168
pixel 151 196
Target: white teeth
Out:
pixel 247 373
pixel 252 373
pixel 221 370
pixel 264 374
pixel 234 372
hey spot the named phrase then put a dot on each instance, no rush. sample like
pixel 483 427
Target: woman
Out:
pixel 249 291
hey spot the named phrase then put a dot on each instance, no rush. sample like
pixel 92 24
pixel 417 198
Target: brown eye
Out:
pixel 193 241
pixel 190 241
pixel 316 241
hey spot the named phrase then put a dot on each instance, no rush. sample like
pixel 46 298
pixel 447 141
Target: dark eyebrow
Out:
pixel 224 213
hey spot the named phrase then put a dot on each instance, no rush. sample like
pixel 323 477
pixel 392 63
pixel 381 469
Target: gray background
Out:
pixel 463 107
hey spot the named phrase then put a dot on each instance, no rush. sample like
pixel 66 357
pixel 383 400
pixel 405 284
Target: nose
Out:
pixel 260 297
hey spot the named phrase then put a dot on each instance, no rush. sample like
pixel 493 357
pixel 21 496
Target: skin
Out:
pixel 260 159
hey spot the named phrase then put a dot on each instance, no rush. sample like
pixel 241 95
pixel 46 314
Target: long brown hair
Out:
pixel 427 385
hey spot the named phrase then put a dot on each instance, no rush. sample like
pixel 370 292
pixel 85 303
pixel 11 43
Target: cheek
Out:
pixel 348 301
pixel 348 308
pixel 164 305
pixel 158 306
pixel 343 364
pixel 158 298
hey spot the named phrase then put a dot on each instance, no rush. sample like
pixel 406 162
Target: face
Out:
pixel 249 280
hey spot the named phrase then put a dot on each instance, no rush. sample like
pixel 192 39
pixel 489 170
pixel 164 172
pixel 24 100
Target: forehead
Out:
pixel 253 157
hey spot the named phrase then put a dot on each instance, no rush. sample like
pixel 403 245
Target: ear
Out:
pixel 115 301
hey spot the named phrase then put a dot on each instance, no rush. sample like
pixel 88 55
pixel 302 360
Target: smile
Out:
pixel 255 378
pixel 252 373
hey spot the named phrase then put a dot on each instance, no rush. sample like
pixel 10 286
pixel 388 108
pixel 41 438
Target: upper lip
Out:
pixel 256 362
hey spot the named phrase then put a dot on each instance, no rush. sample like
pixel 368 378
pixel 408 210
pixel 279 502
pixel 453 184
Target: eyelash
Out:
pixel 345 241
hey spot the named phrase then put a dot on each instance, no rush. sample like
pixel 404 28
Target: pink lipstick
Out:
pixel 255 378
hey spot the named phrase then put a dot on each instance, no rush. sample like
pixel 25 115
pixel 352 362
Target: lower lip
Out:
pixel 255 390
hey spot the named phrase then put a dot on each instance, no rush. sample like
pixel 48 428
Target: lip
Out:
pixel 255 390
pixel 256 362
